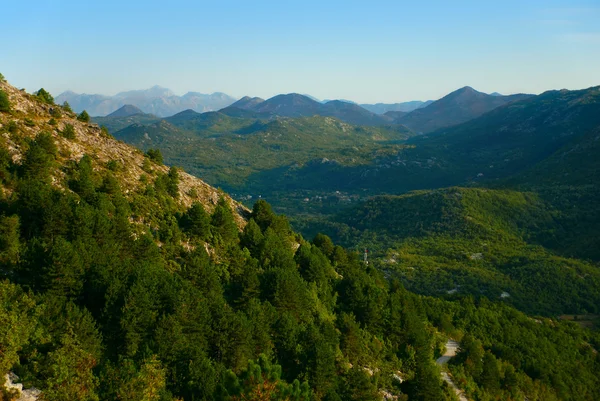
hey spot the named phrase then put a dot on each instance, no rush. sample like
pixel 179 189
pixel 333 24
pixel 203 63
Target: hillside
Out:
pixel 125 279
pixel 457 107
pixel 127 164
pixel 228 150
pixel 295 105
pixel 474 241
pixel 500 144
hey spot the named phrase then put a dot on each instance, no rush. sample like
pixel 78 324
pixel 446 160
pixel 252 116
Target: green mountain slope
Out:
pixel 116 123
pixel 504 142
pixel 122 278
pixel 227 150
pixel 475 241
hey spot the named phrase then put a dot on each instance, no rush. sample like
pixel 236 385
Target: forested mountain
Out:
pixel 159 101
pixel 457 107
pixel 228 150
pixel 126 279
pixel 296 105
pixel 124 117
pixel 479 242
pixel 505 142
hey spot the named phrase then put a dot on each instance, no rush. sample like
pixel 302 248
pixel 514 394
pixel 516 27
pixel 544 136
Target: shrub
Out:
pixel 52 121
pixel 2 79
pixel 67 107
pixel 55 112
pixel 104 132
pixel 68 132
pixel 84 116
pixel 155 155
pixel 4 102
pixel 44 96
pixel 114 165
pixel 12 127
pixel 29 122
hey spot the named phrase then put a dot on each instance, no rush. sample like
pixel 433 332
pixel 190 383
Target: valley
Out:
pixel 300 201
pixel 128 253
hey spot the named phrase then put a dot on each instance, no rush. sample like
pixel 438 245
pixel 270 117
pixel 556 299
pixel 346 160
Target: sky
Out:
pixel 364 51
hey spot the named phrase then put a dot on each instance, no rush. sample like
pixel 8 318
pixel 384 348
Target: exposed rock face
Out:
pixel 30 394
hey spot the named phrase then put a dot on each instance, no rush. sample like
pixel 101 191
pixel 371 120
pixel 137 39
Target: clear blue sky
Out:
pixel 366 51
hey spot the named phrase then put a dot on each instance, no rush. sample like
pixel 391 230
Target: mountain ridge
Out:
pixel 156 100
pixel 457 107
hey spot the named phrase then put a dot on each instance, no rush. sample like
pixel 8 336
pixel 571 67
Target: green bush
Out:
pixel 155 155
pixel 29 122
pixel 104 132
pixel 67 107
pixel 44 96
pixel 12 127
pixel 114 165
pixel 2 79
pixel 4 102
pixel 84 116
pixel 55 112
pixel 68 132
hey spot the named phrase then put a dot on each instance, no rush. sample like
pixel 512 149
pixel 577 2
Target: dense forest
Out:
pixel 114 289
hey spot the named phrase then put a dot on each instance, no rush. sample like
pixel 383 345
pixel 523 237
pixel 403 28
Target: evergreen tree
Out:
pixel 173 182
pixel 252 238
pixel 490 375
pixel 261 381
pixel 83 117
pixel 17 314
pixel 4 102
pixel 10 246
pixel 70 375
pixel 196 221
pixel 68 132
pixel 223 222
pixel 44 96
pixel 67 107
pixel 155 155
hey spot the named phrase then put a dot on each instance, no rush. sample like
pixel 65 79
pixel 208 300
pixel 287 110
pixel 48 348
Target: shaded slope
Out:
pixel 457 107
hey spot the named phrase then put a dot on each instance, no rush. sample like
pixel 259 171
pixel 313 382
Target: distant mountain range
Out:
pixel 406 107
pixel 159 101
pixel 457 107
pixel 296 105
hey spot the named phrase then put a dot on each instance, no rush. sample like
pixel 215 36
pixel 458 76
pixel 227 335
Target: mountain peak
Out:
pixel 126 111
pixel 457 107
pixel 247 102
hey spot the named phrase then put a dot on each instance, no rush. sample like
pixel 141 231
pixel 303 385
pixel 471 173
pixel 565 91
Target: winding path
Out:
pixel 451 348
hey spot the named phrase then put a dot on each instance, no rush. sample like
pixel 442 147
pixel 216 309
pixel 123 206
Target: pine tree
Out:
pixel 223 222
pixel 4 102
pixel 44 96
pixel 83 116
pixel 196 221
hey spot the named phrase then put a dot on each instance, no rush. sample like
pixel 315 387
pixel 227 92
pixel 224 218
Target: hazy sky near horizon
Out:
pixel 376 51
